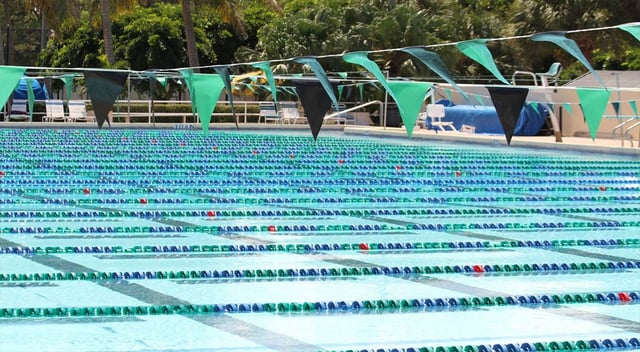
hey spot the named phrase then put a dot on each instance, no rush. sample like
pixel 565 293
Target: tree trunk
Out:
pixel 105 12
pixel 189 33
pixel 8 14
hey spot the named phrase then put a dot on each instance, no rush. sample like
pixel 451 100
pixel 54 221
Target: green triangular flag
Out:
pixel 410 97
pixel 361 89
pixel 360 58
pixel 448 93
pixel 10 77
pixel 477 50
pixel 30 97
pixel 207 89
pixel 567 107
pixel 340 89
pixel 570 46
pixel 593 102
pixel 634 107
pixel 188 79
pixel 616 107
pixel 342 74
pixel 264 66
pixel 633 28
pixel 68 83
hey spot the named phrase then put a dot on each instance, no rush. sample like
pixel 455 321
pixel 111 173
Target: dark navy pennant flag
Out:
pixel 104 87
pixel 315 101
pixel 508 102
pixel 223 72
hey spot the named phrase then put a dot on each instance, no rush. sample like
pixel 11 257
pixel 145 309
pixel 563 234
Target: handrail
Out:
pixel 356 108
pixel 533 75
pixel 619 126
pixel 626 132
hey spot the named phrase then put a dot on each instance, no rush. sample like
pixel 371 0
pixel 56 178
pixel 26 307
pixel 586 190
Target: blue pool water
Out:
pixel 139 240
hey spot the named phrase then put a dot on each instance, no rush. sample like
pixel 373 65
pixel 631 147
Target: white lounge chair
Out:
pixel 436 113
pixel 290 113
pixel 268 112
pixel 55 110
pixel 19 111
pixel 338 116
pixel 77 111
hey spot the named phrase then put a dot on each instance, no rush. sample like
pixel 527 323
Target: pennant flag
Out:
pixel 567 107
pixel 593 102
pixel 477 50
pixel 152 88
pixel 569 46
pixel 406 93
pixel 633 28
pixel 10 77
pixel 342 74
pixel 226 78
pixel 68 83
pixel 616 107
pixel 448 93
pixel 30 97
pixel 360 58
pixel 187 74
pixel 315 102
pixel 103 88
pixel 264 66
pixel 634 107
pixel 410 97
pixel 321 74
pixel 508 102
pixel 207 89
pixel 340 89
pixel 361 91
pixel 435 64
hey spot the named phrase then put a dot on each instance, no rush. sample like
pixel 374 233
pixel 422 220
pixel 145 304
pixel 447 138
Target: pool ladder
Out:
pixel 625 133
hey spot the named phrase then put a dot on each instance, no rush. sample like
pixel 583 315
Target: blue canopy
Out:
pixel 39 90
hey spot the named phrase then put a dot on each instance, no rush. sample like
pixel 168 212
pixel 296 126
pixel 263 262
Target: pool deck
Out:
pixel 580 144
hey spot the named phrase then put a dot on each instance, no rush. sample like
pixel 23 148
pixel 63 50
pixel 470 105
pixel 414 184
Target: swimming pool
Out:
pixel 149 240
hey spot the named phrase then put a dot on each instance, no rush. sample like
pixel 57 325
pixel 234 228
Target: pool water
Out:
pixel 154 240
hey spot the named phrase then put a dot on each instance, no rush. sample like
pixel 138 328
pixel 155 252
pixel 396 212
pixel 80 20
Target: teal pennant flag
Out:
pixel 477 50
pixel 9 76
pixel 593 102
pixel 570 46
pixel 410 98
pixel 264 66
pixel 321 74
pixel 633 28
pixel 435 64
pixel 207 89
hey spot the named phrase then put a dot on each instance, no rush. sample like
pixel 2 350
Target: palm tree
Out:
pixel 105 14
pixel 227 9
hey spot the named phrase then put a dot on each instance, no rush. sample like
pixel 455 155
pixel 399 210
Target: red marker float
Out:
pixel 2 174
pixel 143 200
pixel 603 188
pixel 211 213
pixel 272 228
pixel 398 167
pixel 624 297
pixel 478 269
pixel 364 246
pixel 458 173
pixel 86 191
pixel 340 161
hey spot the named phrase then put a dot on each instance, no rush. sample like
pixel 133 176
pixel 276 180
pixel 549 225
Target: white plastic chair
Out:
pixel 19 110
pixel 77 111
pixel 268 112
pixel 55 110
pixel 436 113
pixel 290 113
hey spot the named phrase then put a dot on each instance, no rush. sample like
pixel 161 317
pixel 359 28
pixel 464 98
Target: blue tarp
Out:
pixel 39 91
pixel 485 118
